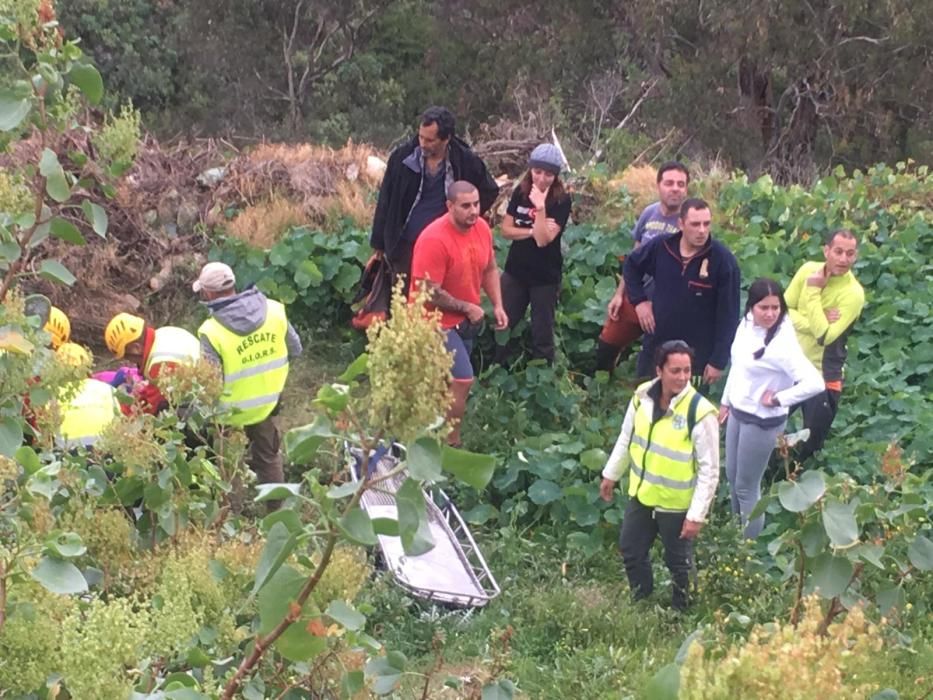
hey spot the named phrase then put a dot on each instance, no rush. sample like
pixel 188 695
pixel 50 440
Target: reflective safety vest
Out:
pixel 175 345
pixel 86 415
pixel 663 464
pixel 255 365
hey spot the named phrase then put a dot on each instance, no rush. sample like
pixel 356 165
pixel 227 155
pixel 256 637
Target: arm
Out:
pixel 292 342
pixel 706 450
pixel 546 231
pixel 494 291
pixel 815 319
pixel 727 313
pixel 512 232
pixel 641 262
pixel 445 301
pixel 618 460
pixel 808 380
pixel 386 192
pixel 488 189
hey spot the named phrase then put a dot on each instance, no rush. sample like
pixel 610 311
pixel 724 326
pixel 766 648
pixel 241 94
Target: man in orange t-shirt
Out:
pixel 455 258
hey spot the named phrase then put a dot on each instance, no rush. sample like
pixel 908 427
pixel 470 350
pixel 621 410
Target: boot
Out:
pixel 606 356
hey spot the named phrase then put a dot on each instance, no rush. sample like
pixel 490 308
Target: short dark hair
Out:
pixel 830 236
pixel 673 165
pixel 460 187
pixel 444 119
pixel 692 203
pixel 672 347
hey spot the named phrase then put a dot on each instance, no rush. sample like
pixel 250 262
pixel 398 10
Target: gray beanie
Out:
pixel 547 157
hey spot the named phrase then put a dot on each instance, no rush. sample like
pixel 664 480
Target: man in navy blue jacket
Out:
pixel 696 292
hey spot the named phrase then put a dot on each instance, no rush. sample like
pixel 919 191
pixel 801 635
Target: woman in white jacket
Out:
pixel 769 374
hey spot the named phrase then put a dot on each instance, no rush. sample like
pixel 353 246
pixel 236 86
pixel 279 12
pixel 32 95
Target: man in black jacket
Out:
pixel 414 187
pixel 696 292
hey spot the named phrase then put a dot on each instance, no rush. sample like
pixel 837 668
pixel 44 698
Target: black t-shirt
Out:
pixel 526 262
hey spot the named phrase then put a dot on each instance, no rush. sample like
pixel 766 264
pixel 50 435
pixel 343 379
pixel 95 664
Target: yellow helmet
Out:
pixel 122 330
pixel 58 326
pixel 73 354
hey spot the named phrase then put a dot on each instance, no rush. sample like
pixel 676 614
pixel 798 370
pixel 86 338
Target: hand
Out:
pixel 377 255
pixel 768 399
pixel 502 319
pixel 711 375
pixel 475 313
pixel 553 228
pixel 832 315
pixel 645 313
pixel 723 414
pixel 818 279
pixel 537 197
pixel 690 529
pixel 615 306
pixel 606 487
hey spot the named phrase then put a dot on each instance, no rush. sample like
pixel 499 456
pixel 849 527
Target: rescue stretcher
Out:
pixel 454 571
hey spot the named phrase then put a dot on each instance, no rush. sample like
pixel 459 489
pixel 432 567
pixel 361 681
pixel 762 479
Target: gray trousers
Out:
pixel 748 449
pixel 516 296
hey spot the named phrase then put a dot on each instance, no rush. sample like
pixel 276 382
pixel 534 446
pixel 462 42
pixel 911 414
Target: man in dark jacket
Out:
pixel 414 187
pixel 696 292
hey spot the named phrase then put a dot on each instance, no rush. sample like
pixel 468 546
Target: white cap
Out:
pixel 214 277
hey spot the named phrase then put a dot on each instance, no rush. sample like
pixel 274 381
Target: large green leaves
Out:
pixel 470 467
pixel 424 459
pixel 88 80
pixel 357 527
pixel 55 271
pixel 797 496
pixel 96 216
pixel 920 553
pixel 277 600
pixel 831 575
pixel 11 436
pixel 55 183
pixel 839 521
pixel 280 543
pixel 13 109
pixel 413 525
pixel 301 443
pixel 59 576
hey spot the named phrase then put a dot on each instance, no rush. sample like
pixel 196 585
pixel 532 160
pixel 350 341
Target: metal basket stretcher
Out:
pixel 454 571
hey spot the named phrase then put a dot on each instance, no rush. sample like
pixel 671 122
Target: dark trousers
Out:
pixel 516 296
pixel 818 414
pixel 265 455
pixel 400 263
pixel 640 526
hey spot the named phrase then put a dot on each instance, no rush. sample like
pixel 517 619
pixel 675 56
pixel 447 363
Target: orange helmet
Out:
pixel 58 326
pixel 122 330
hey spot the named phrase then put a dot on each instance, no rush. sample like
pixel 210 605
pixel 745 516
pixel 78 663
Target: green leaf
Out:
pixel 594 459
pixel 11 436
pixel 499 690
pixel 66 545
pixel 890 599
pixel 340 612
pixel 886 694
pixel 55 271
pixel 96 216
pixel 12 340
pixel 797 496
pixel 280 543
pixel 13 109
pixel 301 443
pixel 344 490
pixel 839 521
pixel 358 367
pixel 665 684
pixel 424 459
pixel 276 492
pixel 544 491
pixel 413 525
pixel 471 468
pixel 357 527
pixel 386 671
pixel 387 527
pixel 88 80
pixel 480 514
pixel 59 576
pixel 289 518
pixel 334 397
pixel 351 684
pixel 308 275
pixel 831 575
pixel 920 553
pixel 67 231
pixel 55 183
pixel 28 459
pixel 275 602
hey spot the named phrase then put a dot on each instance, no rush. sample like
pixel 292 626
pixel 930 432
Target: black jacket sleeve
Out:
pixel 475 171
pixel 639 263
pixel 727 309
pixel 377 237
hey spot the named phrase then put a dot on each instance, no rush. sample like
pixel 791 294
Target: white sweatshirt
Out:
pixel 783 368
pixel 705 451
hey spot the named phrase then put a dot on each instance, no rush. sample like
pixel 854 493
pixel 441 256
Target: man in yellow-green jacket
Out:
pixel 670 439
pixel 250 338
pixel 824 300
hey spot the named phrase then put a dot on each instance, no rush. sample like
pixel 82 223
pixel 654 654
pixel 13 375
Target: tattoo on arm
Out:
pixel 443 300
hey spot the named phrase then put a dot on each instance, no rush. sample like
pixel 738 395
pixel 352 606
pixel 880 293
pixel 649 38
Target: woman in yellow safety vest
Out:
pixel 670 437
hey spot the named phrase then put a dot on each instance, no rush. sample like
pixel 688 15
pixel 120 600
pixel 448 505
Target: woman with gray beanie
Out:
pixel 535 219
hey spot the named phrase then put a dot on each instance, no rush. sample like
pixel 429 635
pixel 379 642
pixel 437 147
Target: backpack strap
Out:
pixel 692 411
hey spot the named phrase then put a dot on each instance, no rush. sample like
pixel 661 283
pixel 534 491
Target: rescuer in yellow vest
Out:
pixel 670 438
pixel 154 350
pixel 250 338
pixel 92 407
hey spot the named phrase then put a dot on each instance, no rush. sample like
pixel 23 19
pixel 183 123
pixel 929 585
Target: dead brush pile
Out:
pixel 162 210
